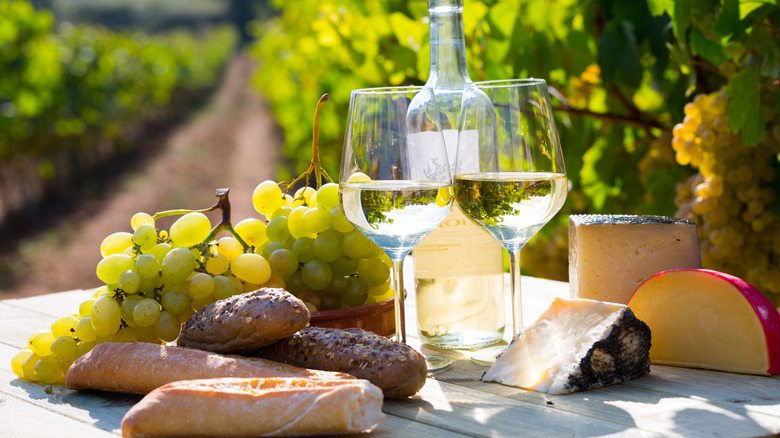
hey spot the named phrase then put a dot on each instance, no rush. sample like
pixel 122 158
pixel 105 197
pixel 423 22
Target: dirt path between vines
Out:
pixel 233 143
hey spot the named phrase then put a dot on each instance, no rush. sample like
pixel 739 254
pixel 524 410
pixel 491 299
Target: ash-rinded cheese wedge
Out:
pixel 576 345
pixel 611 255
pixel 708 319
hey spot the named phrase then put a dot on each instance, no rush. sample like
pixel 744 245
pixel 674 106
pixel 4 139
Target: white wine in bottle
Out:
pixel 458 267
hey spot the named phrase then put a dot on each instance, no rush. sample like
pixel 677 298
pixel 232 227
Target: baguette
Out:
pixel 256 407
pixel 138 367
pixel 396 368
pixel 245 321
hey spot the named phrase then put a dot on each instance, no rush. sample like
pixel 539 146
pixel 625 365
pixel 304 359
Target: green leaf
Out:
pixel 744 105
pixel 682 20
pixel 727 21
pixel 618 55
pixel 711 50
pixel 659 7
pixel 748 6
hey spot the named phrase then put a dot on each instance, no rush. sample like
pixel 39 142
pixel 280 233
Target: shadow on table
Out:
pixel 104 410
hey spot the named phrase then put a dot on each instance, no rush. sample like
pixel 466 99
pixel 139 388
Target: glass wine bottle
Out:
pixel 458 267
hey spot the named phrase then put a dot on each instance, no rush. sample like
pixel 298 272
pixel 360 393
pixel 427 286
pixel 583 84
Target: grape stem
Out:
pixel 223 204
pixel 316 165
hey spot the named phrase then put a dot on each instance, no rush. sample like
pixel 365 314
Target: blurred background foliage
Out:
pixel 624 77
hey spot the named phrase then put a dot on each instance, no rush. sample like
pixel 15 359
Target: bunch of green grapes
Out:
pixel 314 251
pixel 156 279
pixel 730 198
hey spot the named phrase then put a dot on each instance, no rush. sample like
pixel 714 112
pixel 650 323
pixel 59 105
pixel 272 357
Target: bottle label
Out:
pixel 458 248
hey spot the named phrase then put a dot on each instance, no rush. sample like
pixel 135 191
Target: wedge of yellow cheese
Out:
pixel 575 345
pixel 708 319
pixel 611 255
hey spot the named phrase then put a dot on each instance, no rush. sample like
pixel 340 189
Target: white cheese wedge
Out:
pixel 575 345
pixel 611 255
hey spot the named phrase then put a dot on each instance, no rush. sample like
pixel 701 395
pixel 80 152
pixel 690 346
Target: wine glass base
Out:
pixel 437 363
pixel 488 356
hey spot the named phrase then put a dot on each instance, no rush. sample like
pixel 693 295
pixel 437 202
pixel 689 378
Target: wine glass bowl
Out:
pixel 395 176
pixel 509 173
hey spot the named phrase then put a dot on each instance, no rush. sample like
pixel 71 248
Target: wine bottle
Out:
pixel 458 267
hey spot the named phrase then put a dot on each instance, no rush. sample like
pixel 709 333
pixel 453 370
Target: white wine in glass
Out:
pixel 395 177
pixel 516 181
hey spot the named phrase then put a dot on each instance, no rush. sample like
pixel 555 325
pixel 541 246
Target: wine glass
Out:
pixel 395 177
pixel 509 173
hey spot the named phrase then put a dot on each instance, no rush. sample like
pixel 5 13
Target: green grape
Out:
pixel 275 282
pixel 148 285
pixel 110 268
pixel 85 308
pixel 217 264
pixel 329 302
pixel 40 343
pixel 375 252
pixel 327 246
pixel 175 302
pixel 147 266
pixel 145 236
pixel 130 281
pixel 271 247
pixel 313 200
pixel 125 334
pixel 337 286
pixel 146 312
pixel 303 249
pixel 223 287
pixel 277 229
pixel 344 266
pixel 84 347
pixel 130 252
pixel 287 201
pixel 47 370
pixel 199 303
pixel 201 285
pixel 126 308
pixel 283 262
pixel 18 361
pixel 167 327
pixel 116 243
pixel 28 367
pixel 229 247
pixel 373 271
pixel 64 326
pixel 338 221
pixel 328 196
pixel 190 229
pixel 316 274
pixel 146 334
pixel 294 284
pixel 316 220
pixel 355 245
pixel 295 223
pixel 303 196
pixel 63 349
pixel 160 250
pixel 283 211
pixel 139 219
pixel 253 231
pixel 177 265
pixel 356 293
pixel 267 197
pixel 251 268
pixel 84 330
pixel 380 289
pixel 106 316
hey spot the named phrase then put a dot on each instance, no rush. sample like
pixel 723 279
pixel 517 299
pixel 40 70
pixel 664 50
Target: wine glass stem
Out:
pixel 517 297
pixel 398 294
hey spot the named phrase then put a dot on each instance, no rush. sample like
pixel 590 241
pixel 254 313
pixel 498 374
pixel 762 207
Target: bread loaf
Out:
pixel 395 368
pixel 245 321
pixel 138 367
pixel 256 407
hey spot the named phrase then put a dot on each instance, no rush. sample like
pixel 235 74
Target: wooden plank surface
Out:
pixel 669 402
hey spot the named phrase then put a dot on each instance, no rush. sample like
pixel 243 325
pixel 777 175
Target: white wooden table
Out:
pixel 668 402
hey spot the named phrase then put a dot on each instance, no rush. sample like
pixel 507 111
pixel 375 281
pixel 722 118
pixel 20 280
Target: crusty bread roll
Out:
pixel 138 367
pixel 396 368
pixel 256 407
pixel 245 321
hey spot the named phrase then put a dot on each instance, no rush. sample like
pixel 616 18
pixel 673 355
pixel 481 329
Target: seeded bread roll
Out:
pixel 396 368
pixel 243 322
pixel 139 367
pixel 256 407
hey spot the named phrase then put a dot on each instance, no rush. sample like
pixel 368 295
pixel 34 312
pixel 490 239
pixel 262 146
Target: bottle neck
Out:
pixel 448 47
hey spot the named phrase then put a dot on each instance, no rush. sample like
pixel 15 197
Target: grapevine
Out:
pixel 154 280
